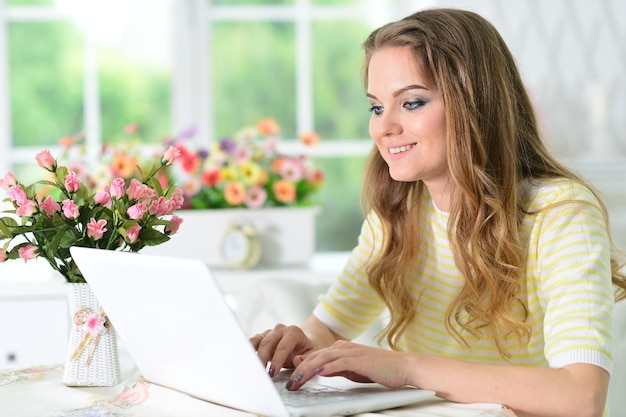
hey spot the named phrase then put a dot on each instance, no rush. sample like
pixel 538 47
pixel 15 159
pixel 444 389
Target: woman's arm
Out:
pixel 571 391
pixel 574 390
pixel 319 334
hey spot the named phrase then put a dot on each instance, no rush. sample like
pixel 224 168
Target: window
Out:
pixel 96 65
pixel 69 69
pixel 219 65
pixel 300 62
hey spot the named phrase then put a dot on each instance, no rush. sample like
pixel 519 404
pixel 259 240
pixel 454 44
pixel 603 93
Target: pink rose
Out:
pixel 26 208
pixel 173 228
pixel 159 207
pixel 136 211
pixel 178 197
pixel 133 233
pixel 8 181
pixel 170 155
pixel 17 194
pixel 70 209
pixel 27 252
pixel 96 229
pixel 102 198
pixel 46 160
pixel 3 256
pixel 140 192
pixel 49 206
pixel 72 183
pixel 117 187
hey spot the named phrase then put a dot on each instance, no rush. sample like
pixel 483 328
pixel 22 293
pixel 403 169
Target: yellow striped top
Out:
pixel 566 284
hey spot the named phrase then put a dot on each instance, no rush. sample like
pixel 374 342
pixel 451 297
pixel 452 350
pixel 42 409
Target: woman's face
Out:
pixel 408 119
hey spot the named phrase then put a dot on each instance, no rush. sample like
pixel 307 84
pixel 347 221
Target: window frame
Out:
pixel 91 100
pixel 192 21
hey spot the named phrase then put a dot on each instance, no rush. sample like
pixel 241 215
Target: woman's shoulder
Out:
pixel 540 193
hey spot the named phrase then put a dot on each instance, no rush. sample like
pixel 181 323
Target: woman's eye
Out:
pixel 412 105
pixel 377 110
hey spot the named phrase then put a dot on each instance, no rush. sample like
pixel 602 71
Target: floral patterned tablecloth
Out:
pixel 39 392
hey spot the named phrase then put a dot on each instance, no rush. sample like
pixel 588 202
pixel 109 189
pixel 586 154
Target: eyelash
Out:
pixel 415 103
pixel 377 110
pixel 409 105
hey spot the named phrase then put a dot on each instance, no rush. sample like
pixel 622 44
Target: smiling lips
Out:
pixel 401 149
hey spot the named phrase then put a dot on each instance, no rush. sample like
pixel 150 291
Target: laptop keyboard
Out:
pixel 312 393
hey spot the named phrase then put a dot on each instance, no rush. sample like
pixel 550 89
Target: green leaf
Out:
pixel 152 237
pixel 64 239
pixel 6 225
pixel 60 174
pixel 46 182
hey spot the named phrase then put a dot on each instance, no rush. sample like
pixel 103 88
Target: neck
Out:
pixel 441 193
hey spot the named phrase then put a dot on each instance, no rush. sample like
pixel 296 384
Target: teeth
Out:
pixel 401 149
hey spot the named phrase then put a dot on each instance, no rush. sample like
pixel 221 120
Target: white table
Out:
pixel 39 392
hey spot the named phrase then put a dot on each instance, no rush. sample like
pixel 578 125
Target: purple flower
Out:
pixel 187 132
pixel 228 145
pixel 167 142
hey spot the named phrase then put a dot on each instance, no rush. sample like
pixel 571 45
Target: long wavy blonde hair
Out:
pixel 493 143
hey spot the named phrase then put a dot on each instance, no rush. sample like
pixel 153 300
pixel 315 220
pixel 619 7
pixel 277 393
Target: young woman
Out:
pixel 493 260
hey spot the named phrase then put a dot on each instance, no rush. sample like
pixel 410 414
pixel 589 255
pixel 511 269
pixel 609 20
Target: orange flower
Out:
pixel 123 165
pixel 131 128
pixel 262 178
pixel 67 141
pixel 284 191
pixel 310 139
pixel 268 127
pixel 234 193
pixel 277 164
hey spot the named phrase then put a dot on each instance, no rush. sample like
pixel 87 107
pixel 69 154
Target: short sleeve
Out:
pixel 573 253
pixel 351 306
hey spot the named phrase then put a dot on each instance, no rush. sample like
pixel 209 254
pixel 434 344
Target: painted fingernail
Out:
pixel 272 372
pixel 298 377
pixel 319 370
pixel 289 384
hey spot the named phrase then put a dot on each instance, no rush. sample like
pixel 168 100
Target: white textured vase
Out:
pixel 286 235
pixel 92 357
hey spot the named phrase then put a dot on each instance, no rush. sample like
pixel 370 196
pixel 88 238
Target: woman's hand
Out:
pixel 280 345
pixel 354 361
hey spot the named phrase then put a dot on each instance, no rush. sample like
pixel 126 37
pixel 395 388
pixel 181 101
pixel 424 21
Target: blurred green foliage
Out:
pixel 253 76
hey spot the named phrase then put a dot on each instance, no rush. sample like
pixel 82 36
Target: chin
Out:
pixel 401 177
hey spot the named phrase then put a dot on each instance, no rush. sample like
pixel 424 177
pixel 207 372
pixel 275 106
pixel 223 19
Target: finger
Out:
pixel 258 338
pixel 341 359
pixel 297 360
pixel 307 366
pixel 293 342
pixel 268 342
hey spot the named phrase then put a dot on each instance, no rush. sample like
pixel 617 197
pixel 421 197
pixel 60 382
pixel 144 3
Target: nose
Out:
pixel 386 124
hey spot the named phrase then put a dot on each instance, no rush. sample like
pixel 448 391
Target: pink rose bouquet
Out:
pixel 53 214
pixel 247 170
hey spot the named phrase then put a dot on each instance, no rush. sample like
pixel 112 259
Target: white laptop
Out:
pixel 175 323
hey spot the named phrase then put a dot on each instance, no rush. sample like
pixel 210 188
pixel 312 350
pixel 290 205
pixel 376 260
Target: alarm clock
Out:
pixel 240 247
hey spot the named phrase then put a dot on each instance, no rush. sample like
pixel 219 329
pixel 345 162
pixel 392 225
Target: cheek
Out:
pixel 372 128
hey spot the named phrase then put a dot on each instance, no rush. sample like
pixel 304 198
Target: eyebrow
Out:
pixel 402 90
